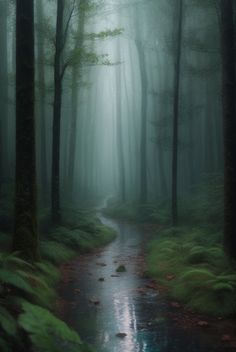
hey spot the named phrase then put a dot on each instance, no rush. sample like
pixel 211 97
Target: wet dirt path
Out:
pixel 101 303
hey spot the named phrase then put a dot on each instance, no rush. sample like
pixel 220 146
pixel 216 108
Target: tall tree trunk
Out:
pixel 55 176
pixel 76 73
pixel 42 100
pixel 143 143
pixel 229 121
pixel 25 237
pixel 176 115
pixel 4 157
pixel 119 135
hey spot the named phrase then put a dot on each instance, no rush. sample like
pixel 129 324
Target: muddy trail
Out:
pixel 123 312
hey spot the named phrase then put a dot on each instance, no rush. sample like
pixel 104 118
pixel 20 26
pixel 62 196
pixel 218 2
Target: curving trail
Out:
pixel 102 303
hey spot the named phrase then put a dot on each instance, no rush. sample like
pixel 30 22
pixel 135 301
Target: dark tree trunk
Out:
pixel 42 102
pixel 119 135
pixel 143 143
pixel 176 116
pixel 76 73
pixel 55 176
pixel 4 158
pixel 25 237
pixel 229 121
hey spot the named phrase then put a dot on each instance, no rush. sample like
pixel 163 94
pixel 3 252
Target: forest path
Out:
pixel 100 303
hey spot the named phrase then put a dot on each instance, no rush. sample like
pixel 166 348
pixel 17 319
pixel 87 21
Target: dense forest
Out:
pixel 118 175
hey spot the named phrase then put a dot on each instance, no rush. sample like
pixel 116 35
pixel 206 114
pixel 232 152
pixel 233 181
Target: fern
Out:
pixel 11 260
pixel 14 279
pixel 7 322
pixel 56 252
pixel 47 333
pixel 48 271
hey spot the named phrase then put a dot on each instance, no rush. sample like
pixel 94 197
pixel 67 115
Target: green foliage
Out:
pixel 30 287
pixel 48 272
pixel 205 206
pixel 15 279
pixel 82 232
pixel 201 275
pixel 148 213
pixel 127 211
pixel 105 34
pixel 7 321
pixel 55 252
pixel 47 333
pixel 22 283
pixel 206 292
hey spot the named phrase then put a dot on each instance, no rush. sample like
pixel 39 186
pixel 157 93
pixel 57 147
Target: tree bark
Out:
pixel 55 176
pixel 143 143
pixel 76 73
pixel 229 123
pixel 176 116
pixel 119 132
pixel 42 101
pixel 25 237
pixel 4 157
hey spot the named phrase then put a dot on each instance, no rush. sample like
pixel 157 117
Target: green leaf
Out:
pixel 7 321
pixel 14 279
pixel 48 333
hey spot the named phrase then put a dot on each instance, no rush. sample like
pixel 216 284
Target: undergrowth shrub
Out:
pixel 27 291
pixel 201 275
pixel 47 333
pixel 25 299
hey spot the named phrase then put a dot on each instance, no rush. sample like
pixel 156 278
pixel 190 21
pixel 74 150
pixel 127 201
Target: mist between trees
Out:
pixel 128 104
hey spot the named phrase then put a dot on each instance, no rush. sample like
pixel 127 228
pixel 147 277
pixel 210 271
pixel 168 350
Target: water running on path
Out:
pixel 104 303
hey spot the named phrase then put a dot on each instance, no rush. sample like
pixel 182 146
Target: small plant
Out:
pixel 121 269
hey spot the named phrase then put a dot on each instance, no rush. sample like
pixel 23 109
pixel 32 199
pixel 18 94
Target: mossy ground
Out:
pixel 192 265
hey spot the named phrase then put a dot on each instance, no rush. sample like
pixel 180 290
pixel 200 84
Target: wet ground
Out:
pixel 101 303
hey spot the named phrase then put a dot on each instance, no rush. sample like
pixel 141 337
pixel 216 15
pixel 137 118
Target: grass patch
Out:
pixel 201 275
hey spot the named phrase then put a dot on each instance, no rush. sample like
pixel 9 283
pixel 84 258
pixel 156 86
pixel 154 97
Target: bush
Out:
pixel 202 276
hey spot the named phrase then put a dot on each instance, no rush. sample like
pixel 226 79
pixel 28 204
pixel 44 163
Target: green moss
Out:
pixel 203 278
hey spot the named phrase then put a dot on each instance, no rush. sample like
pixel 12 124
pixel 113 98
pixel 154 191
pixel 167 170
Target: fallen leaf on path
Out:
pixel 175 305
pixel 152 285
pixel 141 290
pixel 101 279
pixel 114 275
pixel 202 323
pixel 101 264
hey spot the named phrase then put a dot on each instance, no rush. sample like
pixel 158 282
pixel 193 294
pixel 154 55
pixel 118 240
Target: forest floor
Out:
pixel 220 331
pixel 116 311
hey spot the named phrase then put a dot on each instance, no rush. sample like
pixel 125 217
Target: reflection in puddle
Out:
pixel 123 308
